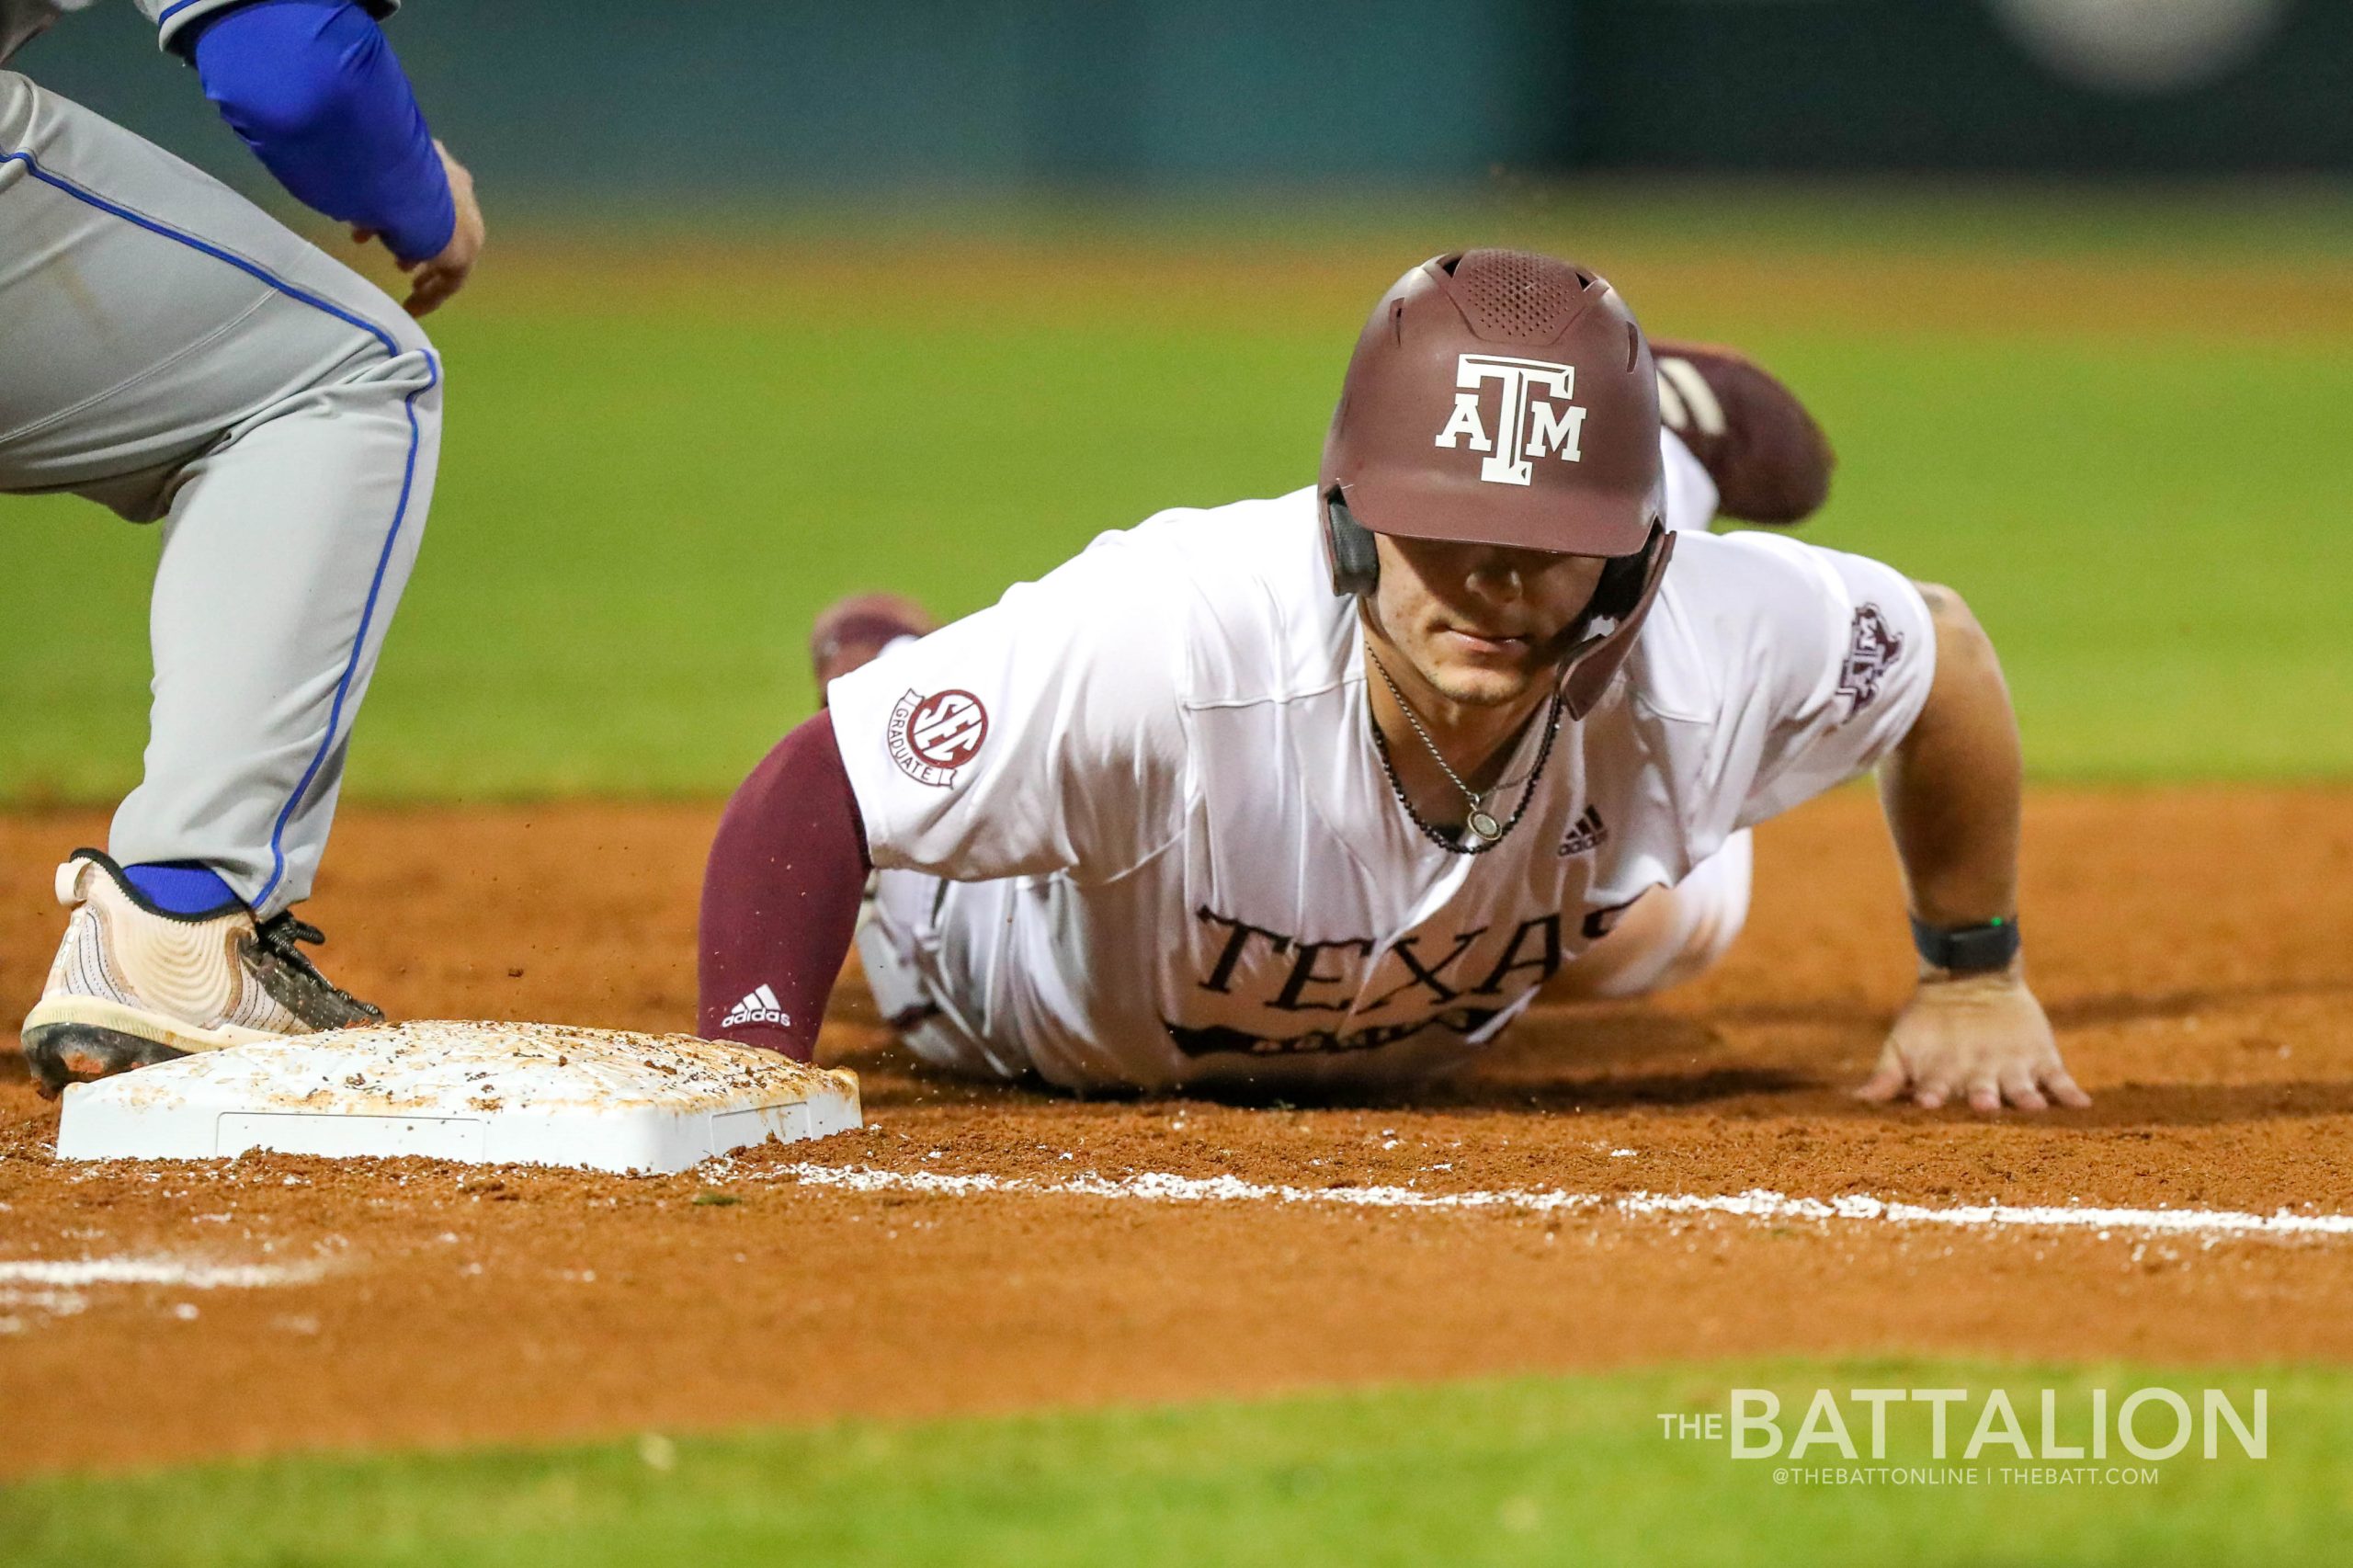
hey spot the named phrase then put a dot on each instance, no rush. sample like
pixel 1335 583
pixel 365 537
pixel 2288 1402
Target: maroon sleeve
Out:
pixel 780 896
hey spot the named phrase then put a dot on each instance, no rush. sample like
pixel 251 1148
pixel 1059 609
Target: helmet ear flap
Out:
pixel 1630 586
pixel 1621 586
pixel 1356 560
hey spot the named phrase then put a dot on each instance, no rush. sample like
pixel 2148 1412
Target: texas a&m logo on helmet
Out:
pixel 1534 417
pixel 931 737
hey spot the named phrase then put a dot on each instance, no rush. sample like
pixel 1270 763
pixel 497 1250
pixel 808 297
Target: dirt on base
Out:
pixel 2195 950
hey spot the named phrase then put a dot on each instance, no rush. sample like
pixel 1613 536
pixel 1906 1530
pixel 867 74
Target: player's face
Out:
pixel 1481 623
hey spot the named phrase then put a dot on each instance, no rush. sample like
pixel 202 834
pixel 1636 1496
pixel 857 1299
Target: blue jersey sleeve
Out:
pixel 314 88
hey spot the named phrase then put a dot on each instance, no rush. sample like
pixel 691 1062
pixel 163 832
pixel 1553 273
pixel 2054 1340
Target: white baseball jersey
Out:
pixel 22 19
pixel 1170 853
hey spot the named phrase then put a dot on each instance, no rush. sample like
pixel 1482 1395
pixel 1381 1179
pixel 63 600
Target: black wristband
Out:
pixel 1966 949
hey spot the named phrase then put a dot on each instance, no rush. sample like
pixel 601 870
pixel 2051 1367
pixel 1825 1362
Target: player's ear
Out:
pixel 1355 556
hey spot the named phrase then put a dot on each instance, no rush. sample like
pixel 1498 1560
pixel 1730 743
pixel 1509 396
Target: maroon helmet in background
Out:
pixel 1499 397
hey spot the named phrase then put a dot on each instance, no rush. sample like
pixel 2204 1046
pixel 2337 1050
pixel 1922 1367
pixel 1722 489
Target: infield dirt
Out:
pixel 2191 946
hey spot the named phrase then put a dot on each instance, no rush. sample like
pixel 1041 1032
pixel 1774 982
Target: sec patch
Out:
pixel 931 737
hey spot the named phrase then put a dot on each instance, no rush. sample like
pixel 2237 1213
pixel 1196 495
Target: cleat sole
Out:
pixel 66 1053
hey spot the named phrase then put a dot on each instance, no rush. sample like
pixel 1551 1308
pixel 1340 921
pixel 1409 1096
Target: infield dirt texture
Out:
pixel 2118 431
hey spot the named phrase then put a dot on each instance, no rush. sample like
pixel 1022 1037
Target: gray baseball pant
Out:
pixel 169 350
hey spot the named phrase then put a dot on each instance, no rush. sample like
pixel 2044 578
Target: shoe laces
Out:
pixel 282 931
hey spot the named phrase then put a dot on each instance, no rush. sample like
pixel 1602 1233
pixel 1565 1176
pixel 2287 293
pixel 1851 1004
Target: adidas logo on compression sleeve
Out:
pixel 759 1007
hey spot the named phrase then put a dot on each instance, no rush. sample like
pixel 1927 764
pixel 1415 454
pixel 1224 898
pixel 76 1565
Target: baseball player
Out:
pixel 169 350
pixel 1323 789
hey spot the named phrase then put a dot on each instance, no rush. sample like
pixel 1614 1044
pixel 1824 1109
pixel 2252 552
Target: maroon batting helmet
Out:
pixel 1499 397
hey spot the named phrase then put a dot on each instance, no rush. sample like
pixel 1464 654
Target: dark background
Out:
pixel 593 99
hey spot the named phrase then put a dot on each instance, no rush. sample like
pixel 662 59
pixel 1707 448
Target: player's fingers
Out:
pixel 2062 1089
pixel 1984 1096
pixel 361 237
pixel 1931 1094
pixel 1884 1083
pixel 2019 1089
pixel 432 290
pixel 441 279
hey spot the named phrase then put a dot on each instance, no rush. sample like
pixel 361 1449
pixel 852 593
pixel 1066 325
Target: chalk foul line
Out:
pixel 1756 1204
pixel 59 1286
pixel 80 1272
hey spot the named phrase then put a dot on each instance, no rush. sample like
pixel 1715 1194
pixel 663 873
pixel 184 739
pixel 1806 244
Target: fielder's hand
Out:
pixel 1979 1035
pixel 432 282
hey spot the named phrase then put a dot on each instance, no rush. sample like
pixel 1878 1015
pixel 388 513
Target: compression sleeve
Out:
pixel 780 896
pixel 312 87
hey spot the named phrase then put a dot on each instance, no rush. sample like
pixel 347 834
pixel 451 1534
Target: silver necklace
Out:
pixel 1482 822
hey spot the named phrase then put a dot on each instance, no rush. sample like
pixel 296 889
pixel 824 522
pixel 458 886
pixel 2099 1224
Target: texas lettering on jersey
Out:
pixel 1419 981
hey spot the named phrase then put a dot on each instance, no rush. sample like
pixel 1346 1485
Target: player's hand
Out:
pixel 432 282
pixel 1982 1036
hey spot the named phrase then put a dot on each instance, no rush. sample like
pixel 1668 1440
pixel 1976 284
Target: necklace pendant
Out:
pixel 1486 827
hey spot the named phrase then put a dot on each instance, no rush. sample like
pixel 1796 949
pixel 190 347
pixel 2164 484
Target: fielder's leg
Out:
pixel 1671 934
pixel 175 354
pixel 309 521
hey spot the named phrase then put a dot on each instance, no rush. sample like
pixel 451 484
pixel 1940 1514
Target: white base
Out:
pixel 481 1094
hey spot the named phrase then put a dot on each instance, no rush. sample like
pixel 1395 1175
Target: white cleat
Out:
pixel 134 984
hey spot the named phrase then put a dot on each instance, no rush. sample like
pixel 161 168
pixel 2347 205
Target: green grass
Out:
pixel 649 490
pixel 1566 1470
pixel 2305 221
pixel 2153 536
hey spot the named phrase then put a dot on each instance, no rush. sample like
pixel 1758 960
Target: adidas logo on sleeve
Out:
pixel 759 1007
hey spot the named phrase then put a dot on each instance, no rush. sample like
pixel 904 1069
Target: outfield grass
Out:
pixel 1569 1469
pixel 654 477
